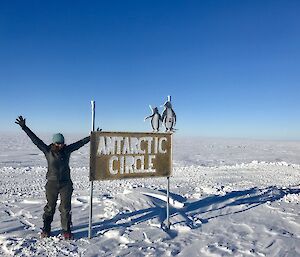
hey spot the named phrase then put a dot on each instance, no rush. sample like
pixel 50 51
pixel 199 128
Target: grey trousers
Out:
pixel 53 189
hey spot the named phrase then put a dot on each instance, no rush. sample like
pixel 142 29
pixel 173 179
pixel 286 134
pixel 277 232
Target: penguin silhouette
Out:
pixel 155 119
pixel 168 117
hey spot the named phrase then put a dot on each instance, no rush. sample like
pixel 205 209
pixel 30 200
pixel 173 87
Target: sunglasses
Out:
pixel 59 143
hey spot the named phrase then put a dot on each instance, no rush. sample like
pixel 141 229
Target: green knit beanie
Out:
pixel 58 139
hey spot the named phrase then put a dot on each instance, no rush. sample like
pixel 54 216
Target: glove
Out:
pixel 20 121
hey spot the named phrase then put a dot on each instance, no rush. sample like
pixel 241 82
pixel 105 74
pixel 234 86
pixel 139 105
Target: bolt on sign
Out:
pixel 119 155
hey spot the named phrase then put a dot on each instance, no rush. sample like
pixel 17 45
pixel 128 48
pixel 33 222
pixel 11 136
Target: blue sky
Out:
pixel 231 67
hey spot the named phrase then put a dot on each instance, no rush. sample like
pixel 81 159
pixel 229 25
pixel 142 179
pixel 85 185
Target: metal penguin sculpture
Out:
pixel 155 119
pixel 168 117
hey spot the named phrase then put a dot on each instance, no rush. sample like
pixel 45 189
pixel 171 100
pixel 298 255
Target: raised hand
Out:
pixel 21 121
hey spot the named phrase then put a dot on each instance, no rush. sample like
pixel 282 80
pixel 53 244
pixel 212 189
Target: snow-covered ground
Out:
pixel 228 198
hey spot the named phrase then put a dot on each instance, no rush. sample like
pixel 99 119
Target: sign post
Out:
pixel 168 192
pixel 91 181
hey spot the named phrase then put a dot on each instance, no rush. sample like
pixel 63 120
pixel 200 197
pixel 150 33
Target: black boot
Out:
pixel 45 234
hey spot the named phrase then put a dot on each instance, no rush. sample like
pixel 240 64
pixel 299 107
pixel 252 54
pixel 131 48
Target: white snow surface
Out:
pixel 229 197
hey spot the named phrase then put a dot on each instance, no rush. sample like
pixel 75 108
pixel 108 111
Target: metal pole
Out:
pixel 168 191
pixel 91 182
pixel 168 203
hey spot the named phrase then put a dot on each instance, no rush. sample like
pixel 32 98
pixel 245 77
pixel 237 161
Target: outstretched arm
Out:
pixel 38 142
pixel 148 117
pixel 75 146
pixel 164 115
pixel 174 118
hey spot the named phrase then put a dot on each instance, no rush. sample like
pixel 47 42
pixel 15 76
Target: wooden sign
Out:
pixel 119 155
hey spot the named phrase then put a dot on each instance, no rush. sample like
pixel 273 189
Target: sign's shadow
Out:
pixel 244 199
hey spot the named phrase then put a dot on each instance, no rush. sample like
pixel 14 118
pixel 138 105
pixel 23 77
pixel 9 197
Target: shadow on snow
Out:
pixel 244 199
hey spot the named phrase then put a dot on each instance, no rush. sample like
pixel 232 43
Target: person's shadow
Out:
pixel 246 199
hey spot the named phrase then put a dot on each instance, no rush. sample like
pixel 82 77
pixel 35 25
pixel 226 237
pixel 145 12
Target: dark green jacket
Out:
pixel 58 161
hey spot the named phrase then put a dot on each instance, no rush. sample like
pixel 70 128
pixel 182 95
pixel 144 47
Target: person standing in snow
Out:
pixel 58 177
